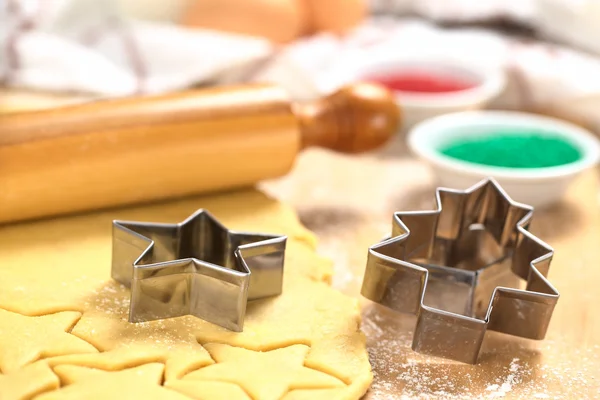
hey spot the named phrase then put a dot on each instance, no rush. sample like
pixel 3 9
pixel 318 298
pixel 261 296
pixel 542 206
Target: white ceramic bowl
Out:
pixel 417 107
pixel 537 187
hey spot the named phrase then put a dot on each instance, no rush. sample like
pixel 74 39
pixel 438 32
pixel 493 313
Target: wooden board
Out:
pixel 348 203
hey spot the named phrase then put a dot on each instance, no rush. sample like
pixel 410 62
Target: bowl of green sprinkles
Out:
pixel 534 158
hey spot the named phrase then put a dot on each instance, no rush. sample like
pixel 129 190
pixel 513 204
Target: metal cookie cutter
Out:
pixel 195 267
pixel 475 247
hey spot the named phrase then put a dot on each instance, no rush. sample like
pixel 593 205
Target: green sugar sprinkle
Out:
pixel 514 149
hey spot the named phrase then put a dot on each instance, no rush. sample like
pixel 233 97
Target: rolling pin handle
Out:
pixel 354 119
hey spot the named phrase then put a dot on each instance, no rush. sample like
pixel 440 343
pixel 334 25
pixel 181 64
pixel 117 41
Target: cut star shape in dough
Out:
pixel 196 267
pixel 143 382
pixel 205 390
pixel 308 311
pixel 26 339
pixel 28 381
pixel 264 375
pixel 123 344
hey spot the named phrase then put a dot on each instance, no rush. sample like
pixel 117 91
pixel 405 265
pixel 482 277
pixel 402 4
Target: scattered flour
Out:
pixel 350 215
pixel 403 374
pixel 511 379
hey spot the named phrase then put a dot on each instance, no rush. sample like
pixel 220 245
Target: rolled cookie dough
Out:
pixel 302 344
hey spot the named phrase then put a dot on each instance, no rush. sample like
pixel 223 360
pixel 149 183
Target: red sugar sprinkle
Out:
pixel 423 82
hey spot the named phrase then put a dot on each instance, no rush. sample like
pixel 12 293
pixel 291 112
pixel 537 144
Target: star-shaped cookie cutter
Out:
pixel 475 242
pixel 195 267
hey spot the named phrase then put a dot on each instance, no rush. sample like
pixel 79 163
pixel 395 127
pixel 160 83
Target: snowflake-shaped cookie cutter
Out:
pixel 476 241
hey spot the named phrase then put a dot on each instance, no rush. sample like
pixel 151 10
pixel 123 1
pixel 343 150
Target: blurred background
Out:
pixel 80 49
pixel 435 56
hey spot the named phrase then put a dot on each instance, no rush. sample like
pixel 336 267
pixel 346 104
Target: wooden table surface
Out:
pixel 348 202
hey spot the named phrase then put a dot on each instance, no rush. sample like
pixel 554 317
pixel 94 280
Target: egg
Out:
pixel 336 16
pixel 279 21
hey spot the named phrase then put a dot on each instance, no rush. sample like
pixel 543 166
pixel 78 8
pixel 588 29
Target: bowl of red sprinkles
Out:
pixel 429 87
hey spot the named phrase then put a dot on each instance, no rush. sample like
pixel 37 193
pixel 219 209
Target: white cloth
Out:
pixel 459 10
pixel 576 22
pixel 91 46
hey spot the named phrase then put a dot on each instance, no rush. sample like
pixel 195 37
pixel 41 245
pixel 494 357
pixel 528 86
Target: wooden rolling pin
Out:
pixel 125 151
